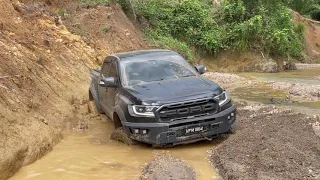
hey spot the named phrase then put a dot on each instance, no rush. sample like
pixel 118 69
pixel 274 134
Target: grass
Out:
pixel 106 29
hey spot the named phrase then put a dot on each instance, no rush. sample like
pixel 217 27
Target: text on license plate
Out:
pixel 195 129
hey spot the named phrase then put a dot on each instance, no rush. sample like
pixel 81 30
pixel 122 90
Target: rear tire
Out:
pixel 96 108
pixel 120 135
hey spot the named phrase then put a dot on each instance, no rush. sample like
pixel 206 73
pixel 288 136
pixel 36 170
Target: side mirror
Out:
pixel 201 69
pixel 108 82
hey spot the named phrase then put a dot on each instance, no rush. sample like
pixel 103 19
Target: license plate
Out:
pixel 196 129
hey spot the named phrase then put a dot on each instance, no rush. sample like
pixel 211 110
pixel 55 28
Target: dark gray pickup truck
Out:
pixel 158 98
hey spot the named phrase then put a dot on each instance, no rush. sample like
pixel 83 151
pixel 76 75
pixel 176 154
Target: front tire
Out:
pixel 120 135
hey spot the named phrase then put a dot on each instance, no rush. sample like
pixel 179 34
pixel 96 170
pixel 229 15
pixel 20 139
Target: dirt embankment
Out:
pixel 312 39
pixel 44 73
pixel 269 144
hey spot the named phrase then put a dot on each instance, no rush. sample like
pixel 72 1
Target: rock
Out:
pixel 269 67
pixel 289 65
pixel 316 128
pixel 165 167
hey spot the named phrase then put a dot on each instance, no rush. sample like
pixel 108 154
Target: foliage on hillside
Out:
pixel 235 24
pixel 309 8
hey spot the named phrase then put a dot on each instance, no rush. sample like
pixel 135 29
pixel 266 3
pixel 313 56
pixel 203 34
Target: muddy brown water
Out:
pixel 92 155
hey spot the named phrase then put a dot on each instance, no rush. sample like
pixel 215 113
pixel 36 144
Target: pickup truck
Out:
pixel 157 97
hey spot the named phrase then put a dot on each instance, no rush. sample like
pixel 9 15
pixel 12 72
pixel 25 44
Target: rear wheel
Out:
pixel 93 105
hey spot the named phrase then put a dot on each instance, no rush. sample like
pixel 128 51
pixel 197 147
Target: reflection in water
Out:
pixel 94 156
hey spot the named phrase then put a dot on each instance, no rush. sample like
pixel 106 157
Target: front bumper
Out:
pixel 174 133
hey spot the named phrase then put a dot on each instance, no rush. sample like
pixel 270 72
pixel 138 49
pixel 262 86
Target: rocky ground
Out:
pixel 165 167
pixel 269 144
pixel 307 66
pixel 303 91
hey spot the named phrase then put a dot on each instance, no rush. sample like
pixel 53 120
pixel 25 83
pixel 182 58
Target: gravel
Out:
pixel 305 91
pixel 307 66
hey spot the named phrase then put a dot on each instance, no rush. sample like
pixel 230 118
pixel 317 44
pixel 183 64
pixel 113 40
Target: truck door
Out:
pixel 112 91
pixel 102 91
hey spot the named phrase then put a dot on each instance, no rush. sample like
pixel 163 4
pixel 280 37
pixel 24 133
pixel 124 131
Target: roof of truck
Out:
pixel 144 54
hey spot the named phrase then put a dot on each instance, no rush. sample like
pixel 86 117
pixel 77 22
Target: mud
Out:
pixel 226 80
pixel 316 128
pixel 44 72
pixel 165 167
pixel 93 155
pixel 269 144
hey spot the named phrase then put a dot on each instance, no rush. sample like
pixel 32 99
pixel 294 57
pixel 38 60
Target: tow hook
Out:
pixel 209 139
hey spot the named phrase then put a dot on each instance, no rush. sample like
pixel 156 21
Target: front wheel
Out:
pixel 232 129
pixel 119 134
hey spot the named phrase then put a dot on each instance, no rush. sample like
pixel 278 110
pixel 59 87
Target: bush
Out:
pixel 310 8
pixel 168 42
pixel 237 24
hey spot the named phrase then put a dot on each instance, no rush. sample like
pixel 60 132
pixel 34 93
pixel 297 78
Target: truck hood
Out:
pixel 174 90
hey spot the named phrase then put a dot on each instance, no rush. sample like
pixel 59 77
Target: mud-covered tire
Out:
pixel 233 129
pixel 120 135
pixel 92 109
pixel 93 105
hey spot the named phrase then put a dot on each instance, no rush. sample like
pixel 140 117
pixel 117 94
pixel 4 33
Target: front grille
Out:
pixel 187 110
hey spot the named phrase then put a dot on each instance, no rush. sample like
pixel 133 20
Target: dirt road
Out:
pixel 269 144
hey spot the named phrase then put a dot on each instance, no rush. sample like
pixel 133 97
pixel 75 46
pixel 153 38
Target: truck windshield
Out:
pixel 141 71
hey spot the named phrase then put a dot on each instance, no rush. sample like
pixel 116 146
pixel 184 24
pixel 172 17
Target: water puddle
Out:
pixel 92 155
pixel 304 76
pixel 263 93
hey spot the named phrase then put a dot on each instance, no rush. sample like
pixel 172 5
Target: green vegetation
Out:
pixel 309 8
pixel 94 2
pixel 235 24
pixel 62 12
pixel 106 29
pixel 168 42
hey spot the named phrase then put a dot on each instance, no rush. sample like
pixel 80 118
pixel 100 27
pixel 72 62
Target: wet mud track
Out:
pixel 269 144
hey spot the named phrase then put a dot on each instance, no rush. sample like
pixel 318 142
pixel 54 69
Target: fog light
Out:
pixel 136 131
pixel 232 114
pixel 229 117
pixel 144 131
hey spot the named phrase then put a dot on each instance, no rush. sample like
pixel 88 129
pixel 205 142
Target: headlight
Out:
pixel 144 110
pixel 222 98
